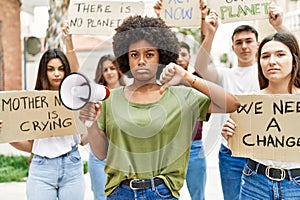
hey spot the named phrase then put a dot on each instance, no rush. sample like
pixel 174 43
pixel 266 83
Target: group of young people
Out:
pixel 142 136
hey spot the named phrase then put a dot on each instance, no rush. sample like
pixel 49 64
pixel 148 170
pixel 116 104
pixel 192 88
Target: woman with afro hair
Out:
pixel 144 130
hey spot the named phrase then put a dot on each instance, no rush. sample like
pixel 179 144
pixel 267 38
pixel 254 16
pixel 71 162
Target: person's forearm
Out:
pixel 23 145
pixel 98 141
pixel 281 28
pixel 71 55
pixel 222 101
pixel 203 60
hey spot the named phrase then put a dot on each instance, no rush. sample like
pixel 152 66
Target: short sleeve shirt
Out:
pixel 151 140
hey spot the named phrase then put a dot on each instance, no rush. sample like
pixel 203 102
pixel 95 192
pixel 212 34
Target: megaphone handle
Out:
pixel 88 123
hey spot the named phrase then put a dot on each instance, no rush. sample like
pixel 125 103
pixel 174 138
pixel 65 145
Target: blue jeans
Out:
pixel 231 169
pixel 258 186
pixel 56 178
pixel 196 173
pixel 98 176
pixel 160 192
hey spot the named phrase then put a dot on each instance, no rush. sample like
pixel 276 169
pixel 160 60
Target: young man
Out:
pixel 236 80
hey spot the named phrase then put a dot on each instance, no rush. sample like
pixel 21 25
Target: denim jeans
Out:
pixel 56 178
pixel 196 173
pixel 98 176
pixel 160 192
pixel 258 186
pixel 231 170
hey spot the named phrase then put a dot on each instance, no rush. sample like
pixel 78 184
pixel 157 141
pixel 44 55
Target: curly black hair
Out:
pixel 154 30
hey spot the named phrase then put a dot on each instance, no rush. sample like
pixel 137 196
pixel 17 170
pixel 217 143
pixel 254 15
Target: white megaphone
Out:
pixel 75 91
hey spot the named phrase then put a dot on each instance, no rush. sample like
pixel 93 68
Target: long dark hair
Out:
pixel 290 41
pixel 42 82
pixel 99 78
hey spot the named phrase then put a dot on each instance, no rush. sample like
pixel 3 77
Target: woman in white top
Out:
pixel 278 72
pixel 56 169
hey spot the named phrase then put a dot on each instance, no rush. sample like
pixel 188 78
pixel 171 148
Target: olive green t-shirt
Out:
pixel 151 140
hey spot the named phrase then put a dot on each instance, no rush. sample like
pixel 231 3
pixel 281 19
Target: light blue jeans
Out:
pixel 160 192
pixel 231 170
pixel 98 176
pixel 56 178
pixel 196 173
pixel 258 186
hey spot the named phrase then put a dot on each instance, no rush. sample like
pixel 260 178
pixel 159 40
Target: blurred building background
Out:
pixel 24 19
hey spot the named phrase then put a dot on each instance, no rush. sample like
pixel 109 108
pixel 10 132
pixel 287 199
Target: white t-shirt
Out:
pixel 237 80
pixel 55 146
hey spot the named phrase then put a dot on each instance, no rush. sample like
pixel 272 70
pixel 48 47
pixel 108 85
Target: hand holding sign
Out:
pixel 276 17
pixel 267 127
pixel 228 129
pixel 27 115
pixel 212 22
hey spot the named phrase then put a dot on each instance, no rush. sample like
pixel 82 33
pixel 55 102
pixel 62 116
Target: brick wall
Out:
pixel 11 45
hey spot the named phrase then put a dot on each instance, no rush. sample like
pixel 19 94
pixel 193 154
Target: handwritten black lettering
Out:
pixel 284 107
pixel 271 141
pixel 262 141
pixel 57 101
pixel 14 104
pixel 245 142
pixel 23 126
pixel 258 107
pixel 92 8
pixel 126 9
pixel 91 23
pixel 244 108
pixel 50 125
pixel 77 22
pixel 273 123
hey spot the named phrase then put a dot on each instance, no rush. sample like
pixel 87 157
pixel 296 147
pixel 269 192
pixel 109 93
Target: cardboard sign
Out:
pixel 268 127
pixel 36 114
pixel 100 17
pixel 239 10
pixel 181 13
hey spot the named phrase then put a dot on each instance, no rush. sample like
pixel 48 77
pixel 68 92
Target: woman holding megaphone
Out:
pixel 144 130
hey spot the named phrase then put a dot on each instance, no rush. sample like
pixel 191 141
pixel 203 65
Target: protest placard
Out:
pixel 100 17
pixel 36 114
pixel 267 127
pixel 181 13
pixel 240 10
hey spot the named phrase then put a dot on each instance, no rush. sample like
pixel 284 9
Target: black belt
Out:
pixel 136 184
pixel 273 173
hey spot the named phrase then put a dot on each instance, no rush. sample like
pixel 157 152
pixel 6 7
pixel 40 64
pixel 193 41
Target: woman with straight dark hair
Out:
pixel 56 169
pixel 278 73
